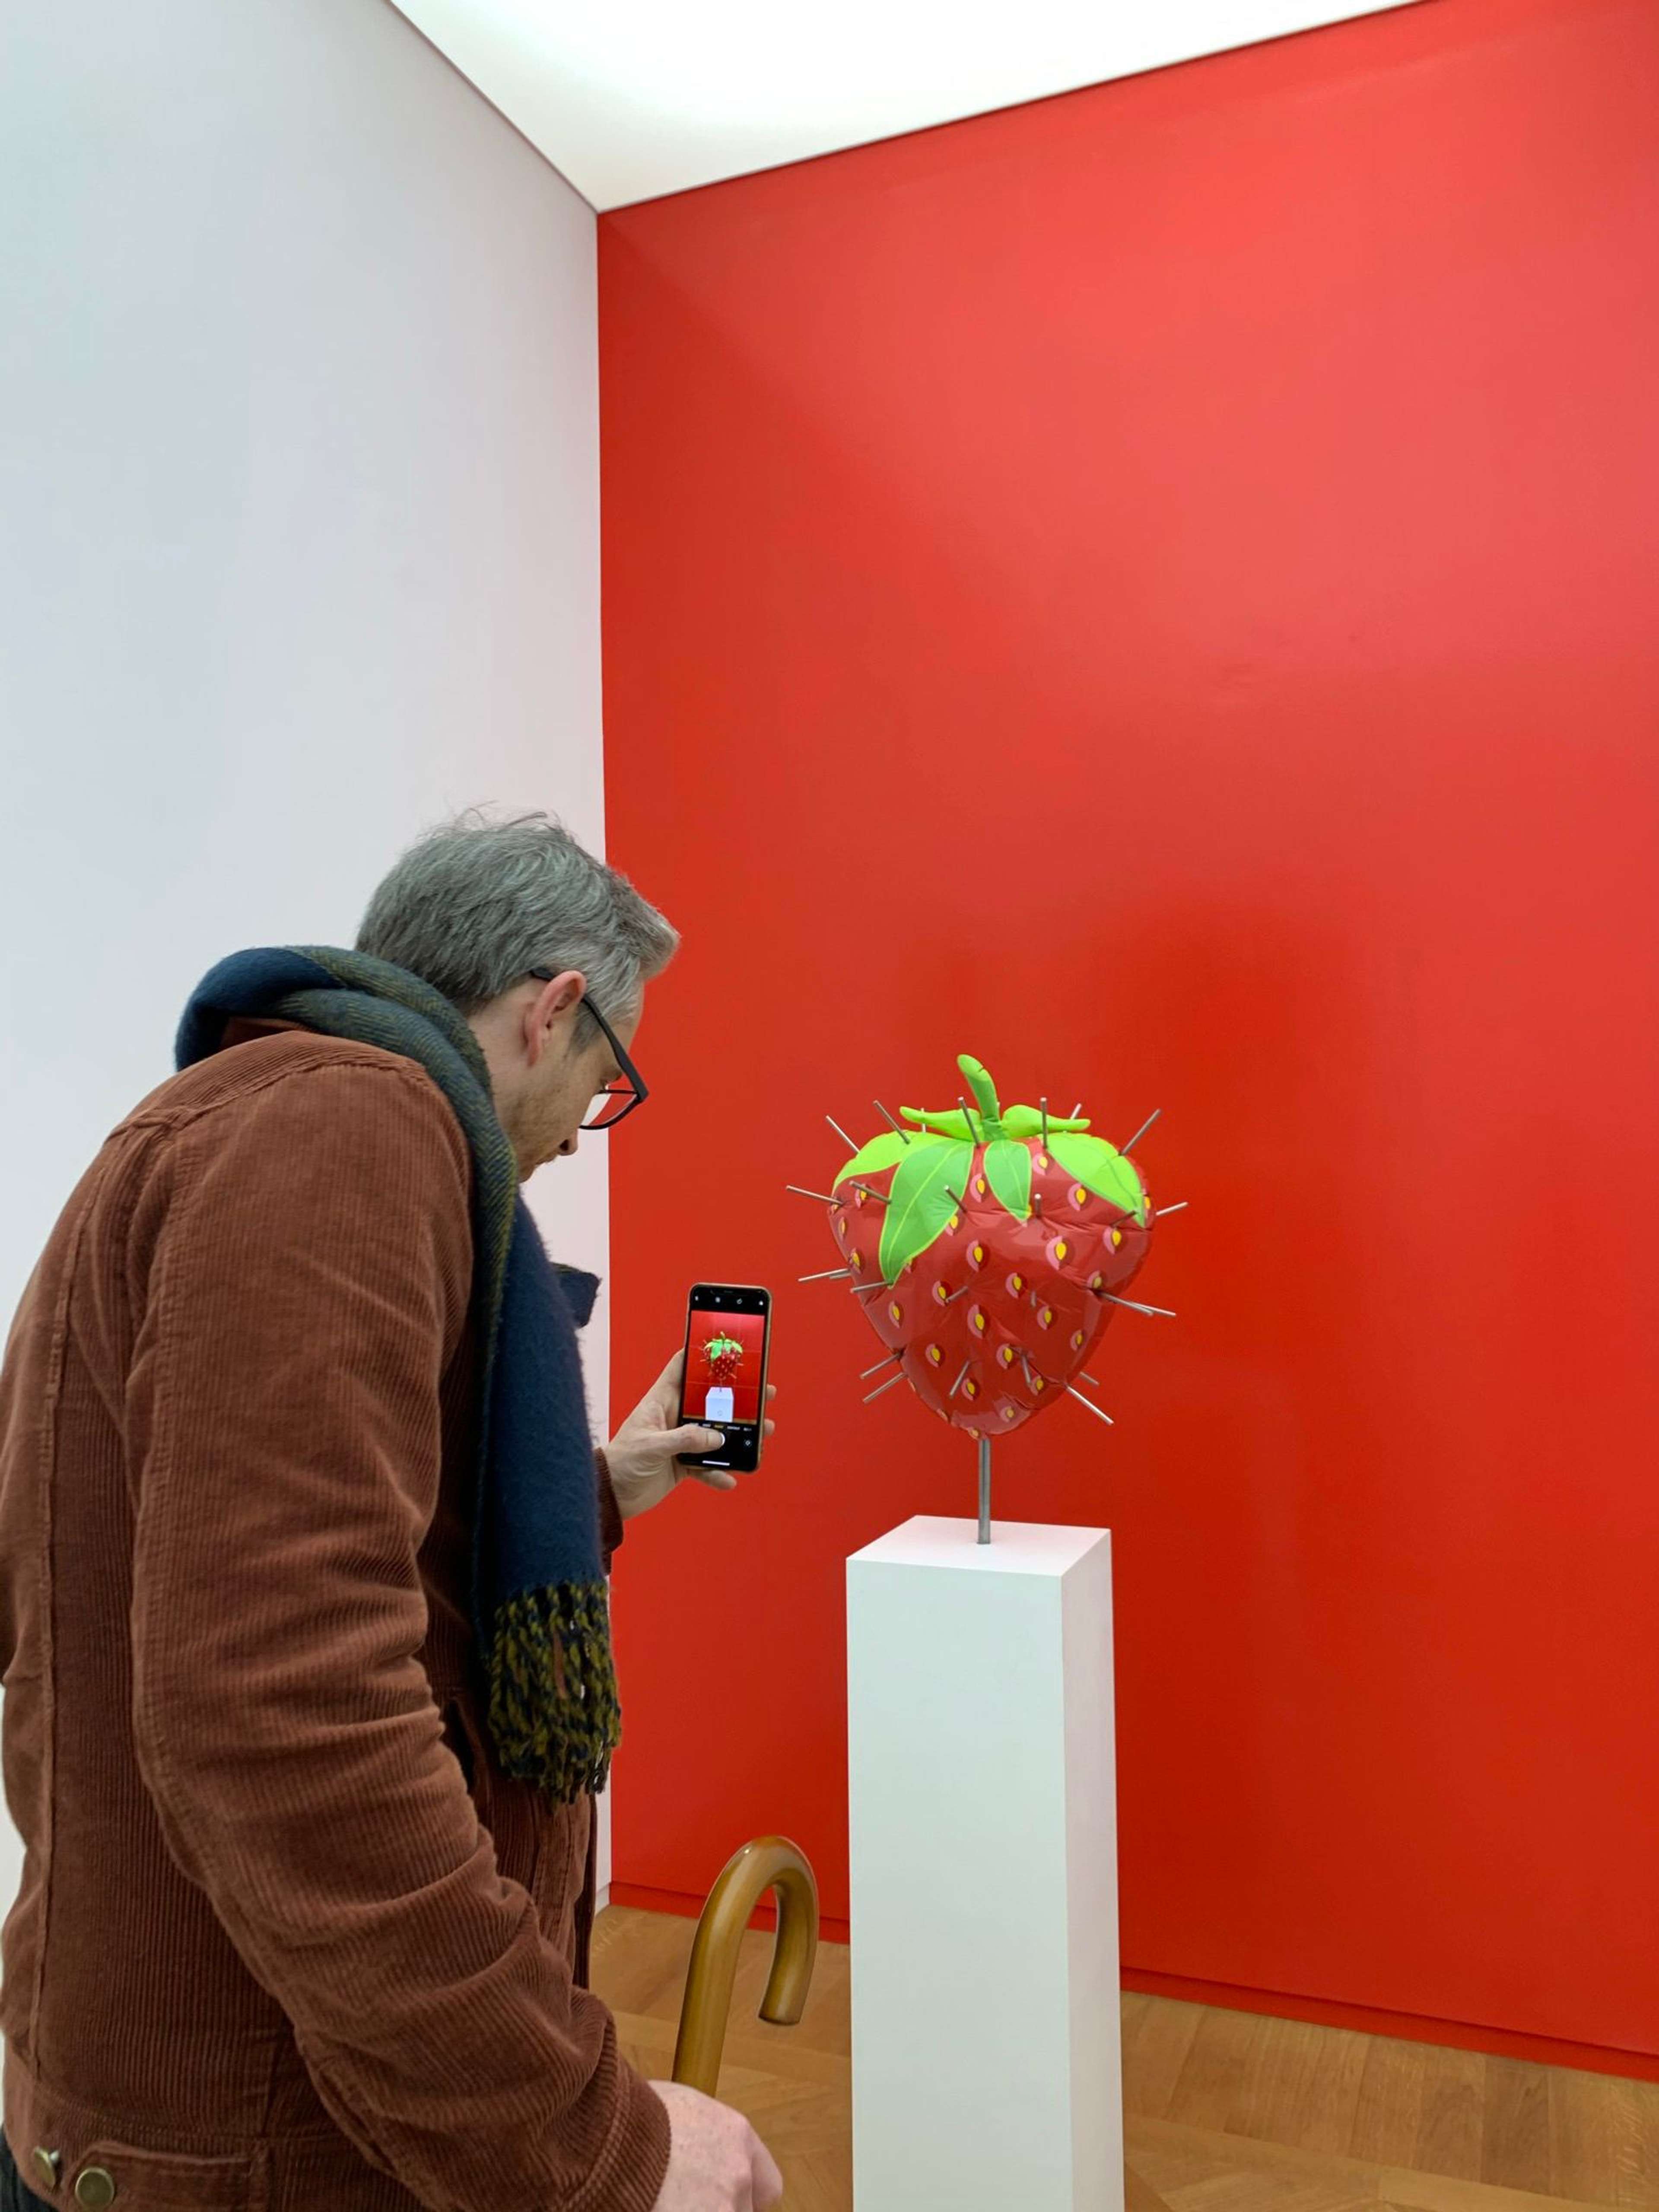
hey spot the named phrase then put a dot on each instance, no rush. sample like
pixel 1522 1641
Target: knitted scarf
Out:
pixel 540 1604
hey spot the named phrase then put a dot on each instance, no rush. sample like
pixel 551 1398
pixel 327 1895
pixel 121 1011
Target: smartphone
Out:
pixel 728 1342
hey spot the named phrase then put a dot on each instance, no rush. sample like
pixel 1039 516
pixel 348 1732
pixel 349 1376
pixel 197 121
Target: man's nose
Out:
pixel 569 1145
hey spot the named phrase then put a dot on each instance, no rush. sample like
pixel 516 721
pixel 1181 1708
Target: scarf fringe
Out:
pixel 554 1715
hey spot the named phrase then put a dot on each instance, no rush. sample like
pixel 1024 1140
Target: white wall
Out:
pixel 299 526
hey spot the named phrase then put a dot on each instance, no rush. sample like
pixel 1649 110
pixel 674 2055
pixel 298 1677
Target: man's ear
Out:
pixel 555 1000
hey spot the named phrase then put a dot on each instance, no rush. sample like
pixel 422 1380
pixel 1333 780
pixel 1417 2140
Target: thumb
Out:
pixel 693 1437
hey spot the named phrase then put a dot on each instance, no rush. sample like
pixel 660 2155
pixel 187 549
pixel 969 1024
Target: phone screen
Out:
pixel 728 1342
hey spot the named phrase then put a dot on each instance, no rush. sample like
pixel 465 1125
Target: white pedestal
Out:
pixel 986 2066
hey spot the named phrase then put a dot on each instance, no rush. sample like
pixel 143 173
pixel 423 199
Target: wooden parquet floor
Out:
pixel 1224 2111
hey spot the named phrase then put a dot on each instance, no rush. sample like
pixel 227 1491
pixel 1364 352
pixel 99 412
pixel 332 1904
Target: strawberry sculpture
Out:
pixel 990 1248
pixel 721 1356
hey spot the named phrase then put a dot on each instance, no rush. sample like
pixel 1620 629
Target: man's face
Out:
pixel 563 1086
pixel 547 1063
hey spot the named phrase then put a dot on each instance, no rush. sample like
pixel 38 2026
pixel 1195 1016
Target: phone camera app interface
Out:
pixel 723 1365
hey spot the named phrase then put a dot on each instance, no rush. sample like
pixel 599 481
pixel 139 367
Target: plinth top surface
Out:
pixel 1016 1547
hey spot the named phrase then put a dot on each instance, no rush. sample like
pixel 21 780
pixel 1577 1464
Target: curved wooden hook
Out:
pixel 771 1862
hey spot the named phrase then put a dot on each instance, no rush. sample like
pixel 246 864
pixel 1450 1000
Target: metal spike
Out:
pixel 840 1133
pixel 968 1117
pixel 960 1380
pixel 1090 1378
pixel 825 1196
pixel 880 1386
pixel 1036 1204
pixel 961 1293
pixel 829 1275
pixel 1098 1413
pixel 863 1290
pixel 1044 1104
pixel 880 1364
pixel 1135 1305
pixel 892 1124
pixel 1179 1206
pixel 1077 1109
pixel 868 1193
pixel 1141 1131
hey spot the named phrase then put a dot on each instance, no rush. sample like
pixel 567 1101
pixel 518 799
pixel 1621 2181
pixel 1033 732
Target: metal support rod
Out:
pixel 1179 1206
pixel 824 1197
pixel 985 1490
pixel 840 1133
pixel 827 1275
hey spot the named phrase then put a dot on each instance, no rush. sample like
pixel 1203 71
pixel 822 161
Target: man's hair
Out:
pixel 473 905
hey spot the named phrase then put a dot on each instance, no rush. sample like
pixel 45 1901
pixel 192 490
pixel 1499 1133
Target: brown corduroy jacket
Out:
pixel 286 1939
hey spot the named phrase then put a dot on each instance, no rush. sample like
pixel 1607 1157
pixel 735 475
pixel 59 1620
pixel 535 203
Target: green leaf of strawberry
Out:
pixel 954 1124
pixel 1101 1168
pixel 882 1151
pixel 1008 1171
pixel 1028 1122
pixel 925 1191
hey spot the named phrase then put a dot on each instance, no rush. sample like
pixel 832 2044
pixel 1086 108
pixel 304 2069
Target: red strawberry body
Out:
pixel 998 1312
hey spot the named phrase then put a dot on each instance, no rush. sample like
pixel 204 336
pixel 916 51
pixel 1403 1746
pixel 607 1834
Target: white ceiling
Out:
pixel 629 99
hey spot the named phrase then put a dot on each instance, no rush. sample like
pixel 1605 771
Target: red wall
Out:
pixel 1157 589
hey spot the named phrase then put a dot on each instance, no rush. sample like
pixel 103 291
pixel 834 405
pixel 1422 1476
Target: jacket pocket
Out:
pixel 132 2177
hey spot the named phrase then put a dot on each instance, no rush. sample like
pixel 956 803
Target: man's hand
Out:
pixel 717 2162
pixel 644 1456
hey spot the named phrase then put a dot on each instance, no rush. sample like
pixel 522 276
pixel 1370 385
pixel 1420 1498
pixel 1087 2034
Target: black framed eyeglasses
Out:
pixel 617 1103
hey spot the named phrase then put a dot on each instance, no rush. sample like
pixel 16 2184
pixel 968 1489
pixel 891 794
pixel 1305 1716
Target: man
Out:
pixel 302 1629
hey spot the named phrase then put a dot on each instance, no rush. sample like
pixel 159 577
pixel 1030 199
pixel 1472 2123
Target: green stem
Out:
pixel 984 1090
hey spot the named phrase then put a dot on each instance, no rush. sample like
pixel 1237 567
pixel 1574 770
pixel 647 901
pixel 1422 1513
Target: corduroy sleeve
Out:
pixel 610 1520
pixel 309 1248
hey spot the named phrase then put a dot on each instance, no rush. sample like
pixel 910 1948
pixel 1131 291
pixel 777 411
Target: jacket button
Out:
pixel 94 2187
pixel 46 2165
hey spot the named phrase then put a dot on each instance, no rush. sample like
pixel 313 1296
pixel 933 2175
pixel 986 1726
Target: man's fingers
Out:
pixel 674 1371
pixel 770 1427
pixel 771 1390
pixel 717 1477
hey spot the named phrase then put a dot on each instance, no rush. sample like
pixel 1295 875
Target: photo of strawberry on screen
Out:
pixel 723 1370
